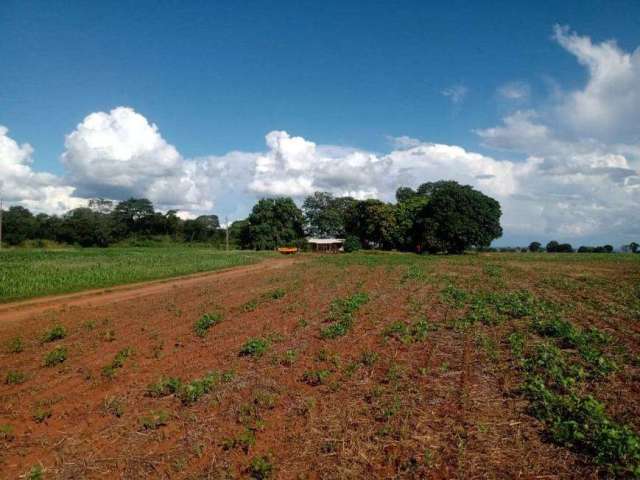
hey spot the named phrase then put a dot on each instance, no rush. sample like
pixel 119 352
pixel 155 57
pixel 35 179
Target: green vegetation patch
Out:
pixel 57 332
pixel 15 345
pixel 15 377
pixel 260 468
pixel 315 377
pixel 555 374
pixel 244 441
pixel 118 361
pixel 416 331
pixel 154 420
pixel 56 356
pixel 188 392
pixel 254 347
pixel 341 313
pixel 204 323
pixel 35 273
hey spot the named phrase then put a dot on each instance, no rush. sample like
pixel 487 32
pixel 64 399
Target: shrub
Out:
pixel 254 347
pixel 260 468
pixel 205 322
pixel 517 343
pixel 6 432
pixel 368 358
pixel 351 244
pixel 56 356
pixel 163 387
pixel 154 420
pixel 113 406
pixel 245 441
pixel 276 294
pixel 315 377
pixel 15 378
pixel 118 362
pixel 341 313
pixel 15 345
pixel 41 414
pixel 192 391
pixel 250 306
pixel 36 473
pixel 289 357
pixel 454 296
pixel 57 332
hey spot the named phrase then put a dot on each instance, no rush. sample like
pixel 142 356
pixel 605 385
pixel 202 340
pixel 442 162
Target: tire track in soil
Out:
pixel 461 434
pixel 16 311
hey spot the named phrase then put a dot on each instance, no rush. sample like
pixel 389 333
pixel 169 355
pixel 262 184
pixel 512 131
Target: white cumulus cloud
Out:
pixel 584 150
pixel 20 184
pixel 608 107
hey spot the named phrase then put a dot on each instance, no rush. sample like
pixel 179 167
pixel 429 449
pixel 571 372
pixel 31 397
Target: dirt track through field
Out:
pixel 16 311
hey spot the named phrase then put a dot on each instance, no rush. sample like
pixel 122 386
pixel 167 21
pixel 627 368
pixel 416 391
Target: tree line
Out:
pixel 555 247
pixel 441 216
pixel 105 222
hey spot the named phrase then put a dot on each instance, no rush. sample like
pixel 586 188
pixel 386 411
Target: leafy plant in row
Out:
pixel 254 347
pixel 189 392
pixel 109 371
pixel 58 332
pixel 553 385
pixel 204 323
pixel 341 314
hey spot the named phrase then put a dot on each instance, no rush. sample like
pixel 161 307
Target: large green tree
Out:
pixel 373 222
pixel 325 215
pixel 456 217
pixel 86 227
pixel 201 229
pixel 134 216
pixel 274 222
pixel 409 206
pixel 18 225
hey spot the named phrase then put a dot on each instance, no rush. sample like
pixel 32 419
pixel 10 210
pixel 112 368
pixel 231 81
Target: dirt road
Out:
pixel 15 311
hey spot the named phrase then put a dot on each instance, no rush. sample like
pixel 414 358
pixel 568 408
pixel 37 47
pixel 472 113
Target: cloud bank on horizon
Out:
pixel 575 172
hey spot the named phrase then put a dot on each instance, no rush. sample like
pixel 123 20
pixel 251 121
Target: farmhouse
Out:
pixel 326 245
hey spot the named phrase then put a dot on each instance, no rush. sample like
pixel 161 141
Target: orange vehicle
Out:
pixel 288 250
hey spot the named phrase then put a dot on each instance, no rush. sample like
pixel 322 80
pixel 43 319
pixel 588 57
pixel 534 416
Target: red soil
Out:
pixel 432 409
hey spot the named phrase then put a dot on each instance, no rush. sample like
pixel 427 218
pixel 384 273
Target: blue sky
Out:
pixel 216 77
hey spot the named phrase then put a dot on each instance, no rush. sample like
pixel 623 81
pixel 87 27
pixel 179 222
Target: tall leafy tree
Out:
pixel 133 216
pixel 325 214
pixel 201 229
pixel 18 225
pixel 101 205
pixel 554 247
pixel 274 222
pixel 47 226
pixel 409 205
pixel 373 222
pixel 535 246
pixel 86 227
pixel 456 217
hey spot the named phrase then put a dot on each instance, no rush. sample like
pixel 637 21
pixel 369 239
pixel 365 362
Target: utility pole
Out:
pixel 226 221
